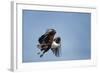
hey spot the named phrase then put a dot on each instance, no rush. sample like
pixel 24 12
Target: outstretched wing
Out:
pixel 56 51
pixel 56 46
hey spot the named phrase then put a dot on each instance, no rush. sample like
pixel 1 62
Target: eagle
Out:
pixel 49 41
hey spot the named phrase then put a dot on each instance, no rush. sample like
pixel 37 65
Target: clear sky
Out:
pixel 73 28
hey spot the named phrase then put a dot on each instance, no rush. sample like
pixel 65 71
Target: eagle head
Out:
pixel 57 39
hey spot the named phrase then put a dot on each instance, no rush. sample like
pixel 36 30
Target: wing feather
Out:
pixel 56 51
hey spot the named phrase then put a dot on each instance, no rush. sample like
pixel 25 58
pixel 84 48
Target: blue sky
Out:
pixel 73 28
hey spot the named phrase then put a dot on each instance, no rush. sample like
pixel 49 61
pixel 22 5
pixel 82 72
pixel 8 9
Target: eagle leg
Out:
pixel 41 55
pixel 44 52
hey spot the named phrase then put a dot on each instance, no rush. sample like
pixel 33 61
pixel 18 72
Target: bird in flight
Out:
pixel 49 41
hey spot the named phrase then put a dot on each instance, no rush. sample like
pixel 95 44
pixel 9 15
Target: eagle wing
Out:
pixel 42 38
pixel 56 49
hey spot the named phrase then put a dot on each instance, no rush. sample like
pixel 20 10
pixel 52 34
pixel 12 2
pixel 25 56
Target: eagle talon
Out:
pixel 41 55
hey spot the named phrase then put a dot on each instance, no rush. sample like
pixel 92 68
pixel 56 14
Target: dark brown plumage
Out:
pixel 46 42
